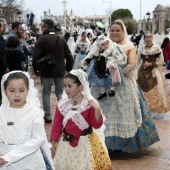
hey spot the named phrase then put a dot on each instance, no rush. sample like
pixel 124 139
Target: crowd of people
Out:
pixel 108 89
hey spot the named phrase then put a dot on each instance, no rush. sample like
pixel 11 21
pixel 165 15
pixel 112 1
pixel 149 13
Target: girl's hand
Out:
pixel 53 151
pixel 93 103
pixel 2 162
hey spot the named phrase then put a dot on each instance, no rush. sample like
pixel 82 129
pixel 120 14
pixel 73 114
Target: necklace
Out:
pixel 149 46
pixel 75 103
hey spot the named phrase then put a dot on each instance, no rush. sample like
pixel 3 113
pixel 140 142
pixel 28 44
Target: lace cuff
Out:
pixel 128 68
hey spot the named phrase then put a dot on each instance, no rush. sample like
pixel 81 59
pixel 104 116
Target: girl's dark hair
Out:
pixel 13 42
pixel 73 77
pixel 17 75
pixel 1 24
pixel 84 32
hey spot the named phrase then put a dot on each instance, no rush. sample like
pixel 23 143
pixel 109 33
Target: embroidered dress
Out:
pixel 129 125
pixel 151 80
pixel 82 152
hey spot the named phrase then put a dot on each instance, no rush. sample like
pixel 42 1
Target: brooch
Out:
pixel 10 123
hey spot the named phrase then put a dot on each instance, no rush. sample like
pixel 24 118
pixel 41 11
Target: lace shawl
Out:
pixel 65 107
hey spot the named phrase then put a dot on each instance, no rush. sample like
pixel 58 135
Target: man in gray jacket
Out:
pixel 50 43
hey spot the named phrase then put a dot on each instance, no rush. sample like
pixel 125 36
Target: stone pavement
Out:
pixel 156 157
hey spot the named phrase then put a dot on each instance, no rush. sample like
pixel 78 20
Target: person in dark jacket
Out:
pixel 3 64
pixel 138 38
pixel 50 43
pixel 14 56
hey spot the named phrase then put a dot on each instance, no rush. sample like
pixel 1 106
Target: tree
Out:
pixel 121 13
pixel 9 7
pixel 127 17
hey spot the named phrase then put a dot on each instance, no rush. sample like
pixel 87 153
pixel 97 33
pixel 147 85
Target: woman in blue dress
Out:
pixel 129 125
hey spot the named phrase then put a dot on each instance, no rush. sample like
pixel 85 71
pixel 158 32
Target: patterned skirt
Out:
pixel 123 107
pixel 155 100
pixel 89 154
pixel 77 62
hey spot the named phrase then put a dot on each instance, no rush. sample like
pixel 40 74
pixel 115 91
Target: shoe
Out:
pixel 117 150
pixel 167 76
pixel 101 96
pixel 47 120
pixel 111 93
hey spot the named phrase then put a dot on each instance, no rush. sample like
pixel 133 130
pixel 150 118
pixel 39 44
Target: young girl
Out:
pixel 23 142
pixel 76 115
pixel 82 47
pixel 108 59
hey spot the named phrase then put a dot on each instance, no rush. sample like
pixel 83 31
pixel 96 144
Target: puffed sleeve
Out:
pixel 160 60
pixel 30 146
pixel 56 129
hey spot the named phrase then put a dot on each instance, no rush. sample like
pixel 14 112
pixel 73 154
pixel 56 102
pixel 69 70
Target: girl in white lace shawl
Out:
pixel 23 142
pixel 82 47
pixel 77 114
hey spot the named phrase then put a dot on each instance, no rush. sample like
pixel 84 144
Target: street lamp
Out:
pixel 140 15
pixel 149 14
pixel 110 11
pixel 94 15
pixel 19 14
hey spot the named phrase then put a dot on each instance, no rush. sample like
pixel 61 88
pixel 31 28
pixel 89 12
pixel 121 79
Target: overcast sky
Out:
pixel 82 6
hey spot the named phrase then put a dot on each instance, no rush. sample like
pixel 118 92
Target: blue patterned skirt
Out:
pixel 128 105
pixel 146 134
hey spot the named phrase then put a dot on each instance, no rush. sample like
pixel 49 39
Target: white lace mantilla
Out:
pixel 151 51
pixel 65 106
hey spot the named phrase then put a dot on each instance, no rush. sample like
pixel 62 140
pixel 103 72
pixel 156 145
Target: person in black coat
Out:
pixel 51 43
pixel 14 56
pixel 3 64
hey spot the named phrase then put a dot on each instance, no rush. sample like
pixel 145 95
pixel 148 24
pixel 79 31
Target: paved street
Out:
pixel 156 157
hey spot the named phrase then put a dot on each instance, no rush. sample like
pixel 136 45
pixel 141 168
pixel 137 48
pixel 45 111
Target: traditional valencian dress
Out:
pixel 23 141
pixel 129 125
pixel 79 147
pixel 151 80
pixel 81 50
pixel 80 141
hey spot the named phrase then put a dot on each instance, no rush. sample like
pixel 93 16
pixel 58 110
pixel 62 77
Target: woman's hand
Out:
pixel 2 161
pixel 84 63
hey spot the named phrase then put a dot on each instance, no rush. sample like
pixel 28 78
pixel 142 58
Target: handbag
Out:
pixel 46 63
